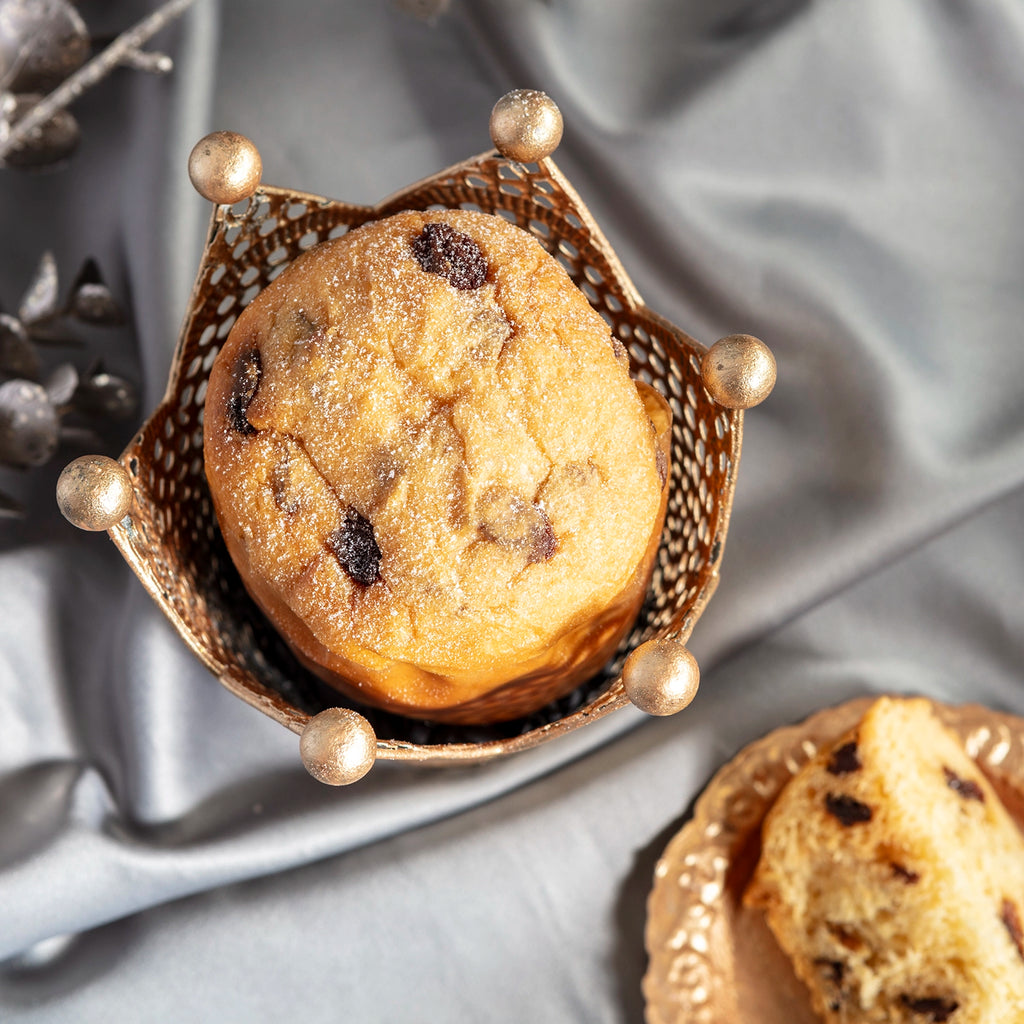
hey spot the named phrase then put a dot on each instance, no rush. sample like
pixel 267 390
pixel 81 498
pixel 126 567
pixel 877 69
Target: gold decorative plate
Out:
pixel 712 961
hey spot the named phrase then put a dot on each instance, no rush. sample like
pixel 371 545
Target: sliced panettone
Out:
pixel 893 877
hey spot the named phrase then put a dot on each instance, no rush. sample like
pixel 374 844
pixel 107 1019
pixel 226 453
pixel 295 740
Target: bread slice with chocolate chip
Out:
pixel 893 877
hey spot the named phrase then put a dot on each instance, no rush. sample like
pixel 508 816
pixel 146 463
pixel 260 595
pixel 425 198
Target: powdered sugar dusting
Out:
pixel 486 435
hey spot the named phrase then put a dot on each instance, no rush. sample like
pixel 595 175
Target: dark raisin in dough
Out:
pixel 245 382
pixel 509 520
pixel 543 543
pixel 934 1008
pixel 1011 918
pixel 832 972
pixel 355 547
pixel 844 759
pixel 966 788
pixel 440 249
pixel 908 876
pixel 847 810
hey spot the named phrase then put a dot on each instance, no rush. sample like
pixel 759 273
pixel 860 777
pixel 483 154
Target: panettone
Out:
pixel 893 877
pixel 431 467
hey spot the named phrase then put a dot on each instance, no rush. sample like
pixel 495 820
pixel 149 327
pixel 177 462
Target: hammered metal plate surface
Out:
pixel 171 539
pixel 713 961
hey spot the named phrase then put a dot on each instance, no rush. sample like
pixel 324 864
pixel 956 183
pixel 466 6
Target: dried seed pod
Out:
pixel 18 358
pixel 41 43
pixel 62 384
pixel 49 144
pixel 106 394
pixel 29 424
pixel 40 299
pixel 91 300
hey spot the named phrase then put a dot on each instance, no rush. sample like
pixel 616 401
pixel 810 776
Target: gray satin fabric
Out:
pixel 840 179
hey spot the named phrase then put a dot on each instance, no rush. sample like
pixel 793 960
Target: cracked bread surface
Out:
pixel 893 877
pixel 424 449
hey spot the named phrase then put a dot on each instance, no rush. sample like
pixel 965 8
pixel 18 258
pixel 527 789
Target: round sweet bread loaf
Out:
pixel 431 467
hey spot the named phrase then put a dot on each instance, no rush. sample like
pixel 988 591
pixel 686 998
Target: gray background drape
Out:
pixel 842 180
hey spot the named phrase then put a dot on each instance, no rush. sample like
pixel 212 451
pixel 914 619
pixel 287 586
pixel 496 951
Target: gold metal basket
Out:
pixel 164 525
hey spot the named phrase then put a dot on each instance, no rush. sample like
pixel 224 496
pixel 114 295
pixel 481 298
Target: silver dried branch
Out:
pixel 124 48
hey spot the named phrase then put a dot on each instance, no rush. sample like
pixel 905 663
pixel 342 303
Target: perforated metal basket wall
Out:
pixel 171 539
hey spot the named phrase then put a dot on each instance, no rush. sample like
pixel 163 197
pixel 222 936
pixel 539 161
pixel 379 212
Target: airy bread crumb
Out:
pixel 893 877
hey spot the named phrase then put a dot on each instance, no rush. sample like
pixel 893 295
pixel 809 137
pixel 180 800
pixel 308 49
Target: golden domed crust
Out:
pixel 427 460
